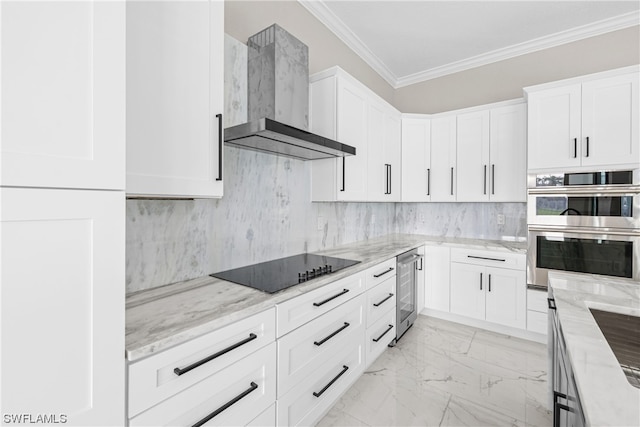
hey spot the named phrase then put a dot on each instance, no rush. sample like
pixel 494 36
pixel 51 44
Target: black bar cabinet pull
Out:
pixel 575 148
pixel 180 371
pixel 493 179
pixel 219 116
pixel 551 303
pixel 489 259
pixel 556 412
pixel 319 393
pixel 381 302
pixel 343 172
pixel 485 180
pixel 587 147
pixel 383 273
pixel 452 181
pixel 428 182
pixel 489 283
pixel 318 304
pixel 383 334
pixel 333 334
pixel 480 281
pixel 387 180
pixel 206 419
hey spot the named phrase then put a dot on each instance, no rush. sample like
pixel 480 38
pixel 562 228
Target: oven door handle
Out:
pixel 592 190
pixel 414 258
pixel 584 230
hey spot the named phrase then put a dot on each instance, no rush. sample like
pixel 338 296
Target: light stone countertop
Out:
pixel 163 317
pixel 607 397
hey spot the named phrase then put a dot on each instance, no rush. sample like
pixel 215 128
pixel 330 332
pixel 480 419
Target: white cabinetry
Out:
pixel 192 381
pixel 416 158
pixel 443 159
pixel 63 96
pixel 491 155
pixel 436 281
pixel 537 311
pixel 62 259
pixel 489 286
pixel 175 55
pixel 585 122
pixel 345 110
pixel 381 309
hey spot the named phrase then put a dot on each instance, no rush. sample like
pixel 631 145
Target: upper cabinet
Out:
pixel 174 98
pixel 345 110
pixel 491 155
pixel 63 101
pixel 443 159
pixel 416 158
pixel 585 123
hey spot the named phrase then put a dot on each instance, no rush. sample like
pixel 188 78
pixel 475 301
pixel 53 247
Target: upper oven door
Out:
pixel 613 253
pixel 580 207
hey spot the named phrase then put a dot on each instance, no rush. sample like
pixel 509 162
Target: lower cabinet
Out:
pixel 537 311
pixel 482 291
pixel 436 278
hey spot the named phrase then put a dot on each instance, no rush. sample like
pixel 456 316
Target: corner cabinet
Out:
pixel 416 158
pixel 443 159
pixel 345 110
pixel 585 123
pixel 175 79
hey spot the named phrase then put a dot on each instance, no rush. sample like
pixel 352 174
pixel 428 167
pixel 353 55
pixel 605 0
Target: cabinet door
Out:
pixel 392 155
pixel 63 304
pixel 508 153
pixel 416 160
pixel 175 56
pixel 352 130
pixel 377 163
pixel 506 294
pixel 554 128
pixel 610 121
pixel 467 290
pixel 472 158
pixel 63 84
pixel 436 282
pixel 443 159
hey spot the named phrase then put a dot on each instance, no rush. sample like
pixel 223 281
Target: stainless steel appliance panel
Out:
pixel 406 290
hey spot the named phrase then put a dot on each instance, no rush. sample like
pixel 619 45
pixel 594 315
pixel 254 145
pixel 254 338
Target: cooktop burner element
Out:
pixel 279 274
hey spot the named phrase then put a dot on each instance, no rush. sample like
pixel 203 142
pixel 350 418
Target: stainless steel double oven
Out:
pixel 584 222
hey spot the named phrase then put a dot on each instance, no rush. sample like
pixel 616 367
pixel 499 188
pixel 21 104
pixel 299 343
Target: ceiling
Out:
pixel 411 41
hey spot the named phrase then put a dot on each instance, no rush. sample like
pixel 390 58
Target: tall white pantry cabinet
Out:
pixel 62 212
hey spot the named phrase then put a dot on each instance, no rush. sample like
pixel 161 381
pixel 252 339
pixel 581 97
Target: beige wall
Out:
pixel 505 79
pixel 242 19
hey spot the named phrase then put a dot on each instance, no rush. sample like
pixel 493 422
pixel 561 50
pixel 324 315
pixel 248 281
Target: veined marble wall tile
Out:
pixel 235 82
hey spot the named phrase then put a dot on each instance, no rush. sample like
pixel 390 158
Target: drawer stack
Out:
pixel 381 309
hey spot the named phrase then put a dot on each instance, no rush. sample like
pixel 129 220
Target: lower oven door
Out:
pixel 613 253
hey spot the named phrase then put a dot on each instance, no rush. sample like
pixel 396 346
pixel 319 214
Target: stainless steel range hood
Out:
pixel 278 101
pixel 269 136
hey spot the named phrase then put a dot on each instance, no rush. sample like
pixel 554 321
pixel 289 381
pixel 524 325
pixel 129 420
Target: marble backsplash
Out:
pixel 267 213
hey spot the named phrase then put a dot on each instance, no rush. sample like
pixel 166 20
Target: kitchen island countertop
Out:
pixel 606 396
pixel 160 318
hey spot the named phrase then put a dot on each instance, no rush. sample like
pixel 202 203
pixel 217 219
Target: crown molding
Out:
pixel 318 9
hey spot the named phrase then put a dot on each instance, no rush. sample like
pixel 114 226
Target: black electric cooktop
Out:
pixel 279 274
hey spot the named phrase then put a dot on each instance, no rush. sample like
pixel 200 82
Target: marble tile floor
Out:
pixel 445 374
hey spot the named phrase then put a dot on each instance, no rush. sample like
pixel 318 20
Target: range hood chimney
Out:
pixel 278 101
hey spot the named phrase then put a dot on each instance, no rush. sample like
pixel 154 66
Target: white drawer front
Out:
pixel 489 258
pixel 266 418
pixel 296 312
pixel 380 300
pixel 537 322
pixel 380 272
pixel 153 380
pixel 301 407
pixel 537 300
pixel 252 380
pixel 379 335
pixel 300 352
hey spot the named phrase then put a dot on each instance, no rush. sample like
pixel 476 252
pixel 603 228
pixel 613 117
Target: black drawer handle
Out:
pixel 551 303
pixel 378 304
pixel 383 273
pixel 318 304
pixel 180 371
pixel 488 259
pixel 226 405
pixel 319 393
pixel 333 334
pixel 219 116
pixel 383 334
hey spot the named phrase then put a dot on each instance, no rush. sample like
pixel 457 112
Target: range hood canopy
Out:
pixel 278 101
pixel 269 136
